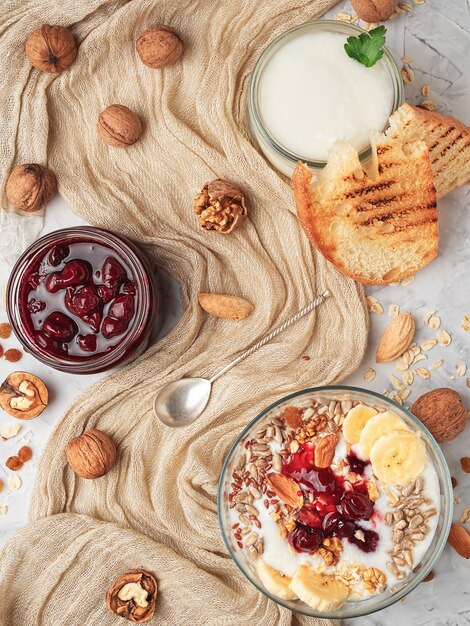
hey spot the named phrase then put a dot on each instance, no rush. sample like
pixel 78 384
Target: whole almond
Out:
pixel 442 412
pixel 286 489
pixel 325 450
pixel 224 306
pixel 396 339
pixel 459 539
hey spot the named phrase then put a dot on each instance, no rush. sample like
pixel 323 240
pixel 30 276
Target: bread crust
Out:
pixel 447 138
pixel 392 219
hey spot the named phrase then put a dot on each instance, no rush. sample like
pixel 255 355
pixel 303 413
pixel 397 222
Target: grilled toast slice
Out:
pixel 447 138
pixel 375 231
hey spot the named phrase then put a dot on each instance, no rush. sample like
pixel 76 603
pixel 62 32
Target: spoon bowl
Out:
pixel 180 403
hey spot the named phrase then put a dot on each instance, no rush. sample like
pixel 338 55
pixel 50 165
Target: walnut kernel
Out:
pixel 374 580
pixel 220 206
pixel 330 550
pixel 133 596
pixel 23 395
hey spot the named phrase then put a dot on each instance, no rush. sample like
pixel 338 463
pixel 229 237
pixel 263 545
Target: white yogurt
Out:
pixel 311 94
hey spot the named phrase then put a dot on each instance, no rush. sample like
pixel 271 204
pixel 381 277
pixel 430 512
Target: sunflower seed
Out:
pixel 245 519
pixel 260 546
pixel 398 515
pixel 277 462
pixel 429 513
pixel 255 493
pixel 401 575
pixel 417 536
pixel 308 413
pixel 252 553
pixel 408 557
pixel 416 521
pixel 408 489
pixel 389 519
pixel 398 536
pixel 251 539
pixel 400 525
pixel 399 561
pixel 369 374
pixel 393 568
pixel 240 462
pixel 346 406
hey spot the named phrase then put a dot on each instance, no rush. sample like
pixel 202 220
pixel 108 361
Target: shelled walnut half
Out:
pixel 23 395
pixel 220 206
pixel 133 596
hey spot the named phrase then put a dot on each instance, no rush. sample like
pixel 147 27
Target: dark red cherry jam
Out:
pixel 335 506
pixel 82 295
pixel 356 465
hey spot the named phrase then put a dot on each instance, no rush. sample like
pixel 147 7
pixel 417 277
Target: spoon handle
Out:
pixel 274 333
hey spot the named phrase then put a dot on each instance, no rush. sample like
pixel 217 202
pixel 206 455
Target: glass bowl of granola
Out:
pixel 335 502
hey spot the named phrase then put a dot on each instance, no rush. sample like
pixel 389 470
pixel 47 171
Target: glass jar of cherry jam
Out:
pixel 83 300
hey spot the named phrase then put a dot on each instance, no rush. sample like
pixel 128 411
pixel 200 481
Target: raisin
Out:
pixel 13 355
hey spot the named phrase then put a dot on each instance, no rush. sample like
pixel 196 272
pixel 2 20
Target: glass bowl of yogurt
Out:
pixel 306 92
pixel 335 502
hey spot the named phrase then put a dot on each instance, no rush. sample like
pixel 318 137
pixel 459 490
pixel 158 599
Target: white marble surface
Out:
pixel 437 37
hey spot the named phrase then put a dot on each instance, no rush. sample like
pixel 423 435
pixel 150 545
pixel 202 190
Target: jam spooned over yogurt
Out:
pixel 78 299
pixel 334 507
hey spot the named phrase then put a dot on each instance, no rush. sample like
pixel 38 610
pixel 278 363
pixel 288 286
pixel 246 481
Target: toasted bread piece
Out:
pixel 375 231
pixel 448 141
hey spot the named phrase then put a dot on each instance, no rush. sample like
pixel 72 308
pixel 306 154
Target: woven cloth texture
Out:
pixel 157 507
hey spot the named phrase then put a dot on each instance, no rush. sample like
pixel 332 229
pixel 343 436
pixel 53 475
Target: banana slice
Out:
pixel 274 581
pixel 377 426
pixel 398 457
pixel 320 591
pixel 355 421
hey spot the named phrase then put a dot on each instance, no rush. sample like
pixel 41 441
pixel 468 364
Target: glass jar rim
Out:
pixel 100 235
pixel 329 25
pixel 443 472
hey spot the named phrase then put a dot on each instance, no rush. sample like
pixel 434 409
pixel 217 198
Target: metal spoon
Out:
pixel 180 403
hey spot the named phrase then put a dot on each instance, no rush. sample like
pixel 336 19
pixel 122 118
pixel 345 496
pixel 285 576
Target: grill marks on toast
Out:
pixel 447 138
pixel 372 231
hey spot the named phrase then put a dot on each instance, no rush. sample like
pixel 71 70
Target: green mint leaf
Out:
pixel 367 48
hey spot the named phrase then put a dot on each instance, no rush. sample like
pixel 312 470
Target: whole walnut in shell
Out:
pixel 30 186
pixel 92 454
pixel 442 412
pixel 118 126
pixel 374 10
pixel 51 48
pixel 159 46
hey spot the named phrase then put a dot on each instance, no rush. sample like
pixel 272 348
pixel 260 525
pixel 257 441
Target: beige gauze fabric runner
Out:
pixel 157 507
